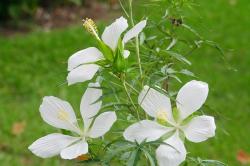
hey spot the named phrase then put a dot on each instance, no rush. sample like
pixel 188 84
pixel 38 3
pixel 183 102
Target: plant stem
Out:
pixel 136 40
pixel 130 86
pixel 129 97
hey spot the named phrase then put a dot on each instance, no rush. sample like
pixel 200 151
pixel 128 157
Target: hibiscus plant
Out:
pixel 131 113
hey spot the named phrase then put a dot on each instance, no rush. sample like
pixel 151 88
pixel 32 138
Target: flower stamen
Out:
pixel 161 116
pixel 91 27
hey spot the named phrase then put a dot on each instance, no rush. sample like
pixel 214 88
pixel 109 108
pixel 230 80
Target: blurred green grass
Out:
pixel 34 65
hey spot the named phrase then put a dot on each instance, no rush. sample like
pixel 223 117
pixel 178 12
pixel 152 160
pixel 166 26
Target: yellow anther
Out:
pixel 161 116
pixel 90 26
pixel 63 115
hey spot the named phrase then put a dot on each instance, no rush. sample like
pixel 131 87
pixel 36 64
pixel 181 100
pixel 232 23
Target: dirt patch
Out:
pixel 62 16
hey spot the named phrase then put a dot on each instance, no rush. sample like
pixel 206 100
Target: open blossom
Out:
pixel 82 65
pixel 60 114
pixel 189 99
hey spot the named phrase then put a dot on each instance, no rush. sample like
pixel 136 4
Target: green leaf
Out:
pixel 187 72
pixel 215 45
pixel 134 157
pixel 214 162
pixel 191 30
pixel 175 77
pixel 142 38
pixel 149 157
pixel 201 162
pixel 172 44
pixel 114 152
pixel 179 57
pixel 118 141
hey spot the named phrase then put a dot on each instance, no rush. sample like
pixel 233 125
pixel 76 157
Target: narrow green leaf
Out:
pixel 178 57
pixel 187 72
pixel 149 157
pixel 191 30
pixel 134 157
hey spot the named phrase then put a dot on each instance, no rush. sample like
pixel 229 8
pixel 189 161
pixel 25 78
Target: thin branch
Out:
pixel 136 41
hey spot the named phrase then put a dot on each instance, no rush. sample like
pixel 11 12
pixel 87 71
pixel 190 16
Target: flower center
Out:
pixel 90 26
pixel 161 117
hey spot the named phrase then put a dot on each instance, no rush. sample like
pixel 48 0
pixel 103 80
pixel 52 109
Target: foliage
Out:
pixel 159 59
pixel 70 37
pixel 17 9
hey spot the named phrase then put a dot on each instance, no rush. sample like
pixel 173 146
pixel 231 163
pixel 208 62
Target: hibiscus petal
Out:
pixel 200 128
pixel 82 73
pixel 153 102
pixel 58 113
pixel 145 130
pixel 172 155
pixel 75 150
pixel 191 97
pixel 113 32
pixel 88 55
pixel 51 145
pixel 89 106
pixel 102 124
pixel 134 31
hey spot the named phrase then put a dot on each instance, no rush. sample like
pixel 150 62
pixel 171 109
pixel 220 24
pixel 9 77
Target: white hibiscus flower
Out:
pixel 60 114
pixel 81 65
pixel 189 99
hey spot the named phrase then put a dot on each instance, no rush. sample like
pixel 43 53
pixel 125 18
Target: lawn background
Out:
pixel 34 65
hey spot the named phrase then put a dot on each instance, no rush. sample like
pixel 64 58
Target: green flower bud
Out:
pixel 120 63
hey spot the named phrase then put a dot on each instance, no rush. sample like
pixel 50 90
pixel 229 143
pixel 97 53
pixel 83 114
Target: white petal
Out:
pixel 88 55
pixel 102 124
pixel 51 145
pixel 191 97
pixel 82 73
pixel 126 54
pixel 153 101
pixel 113 32
pixel 145 130
pixel 89 106
pixel 58 113
pixel 200 128
pixel 172 155
pixel 134 31
pixel 74 150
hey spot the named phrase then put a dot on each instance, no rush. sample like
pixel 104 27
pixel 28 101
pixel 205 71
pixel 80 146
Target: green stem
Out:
pixel 130 86
pixel 129 97
pixel 136 40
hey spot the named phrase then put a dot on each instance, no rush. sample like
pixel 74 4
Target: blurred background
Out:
pixel 38 36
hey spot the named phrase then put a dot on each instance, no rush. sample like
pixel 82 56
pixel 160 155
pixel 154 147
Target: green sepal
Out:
pixel 102 63
pixel 120 63
pixel 107 52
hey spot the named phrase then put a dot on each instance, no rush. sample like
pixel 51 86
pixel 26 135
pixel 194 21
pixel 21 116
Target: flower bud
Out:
pixel 120 62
